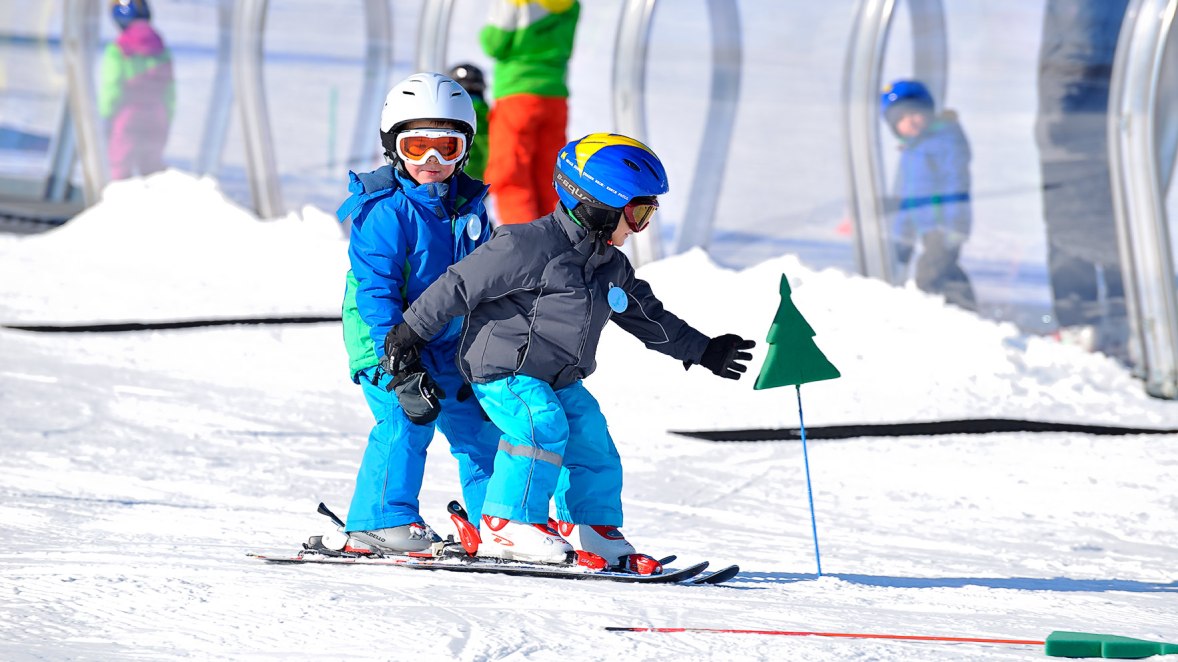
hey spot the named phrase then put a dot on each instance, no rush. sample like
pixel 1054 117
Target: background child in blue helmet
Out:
pixel 411 220
pixel 137 96
pixel 536 299
pixel 931 192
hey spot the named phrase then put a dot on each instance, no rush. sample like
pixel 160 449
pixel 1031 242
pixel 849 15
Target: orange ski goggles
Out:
pixel 639 211
pixel 416 146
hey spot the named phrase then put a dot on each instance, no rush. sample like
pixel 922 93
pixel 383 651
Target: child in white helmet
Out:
pixel 411 220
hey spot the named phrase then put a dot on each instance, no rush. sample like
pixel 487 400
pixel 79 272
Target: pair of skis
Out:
pixel 450 556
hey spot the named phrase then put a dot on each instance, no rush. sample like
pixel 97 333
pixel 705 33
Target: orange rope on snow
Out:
pixel 845 635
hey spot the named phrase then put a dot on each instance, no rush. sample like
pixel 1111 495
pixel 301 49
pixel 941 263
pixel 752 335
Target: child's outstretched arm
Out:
pixel 646 319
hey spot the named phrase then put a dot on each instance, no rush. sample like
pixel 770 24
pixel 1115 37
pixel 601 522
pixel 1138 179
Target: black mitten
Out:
pixel 723 353
pixel 419 395
pixel 402 348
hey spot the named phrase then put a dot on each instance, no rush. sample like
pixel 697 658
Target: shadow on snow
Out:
pixel 1057 584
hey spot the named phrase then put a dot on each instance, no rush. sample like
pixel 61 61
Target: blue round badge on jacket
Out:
pixel 618 301
pixel 474 226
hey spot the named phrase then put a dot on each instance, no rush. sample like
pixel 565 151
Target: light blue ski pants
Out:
pixel 393 466
pixel 554 443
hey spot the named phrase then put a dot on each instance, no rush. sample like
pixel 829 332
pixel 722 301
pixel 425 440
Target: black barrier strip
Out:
pixel 963 426
pixel 156 326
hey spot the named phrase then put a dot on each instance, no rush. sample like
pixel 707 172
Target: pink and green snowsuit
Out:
pixel 137 99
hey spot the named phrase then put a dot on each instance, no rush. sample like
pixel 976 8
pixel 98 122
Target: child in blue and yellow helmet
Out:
pixel 536 298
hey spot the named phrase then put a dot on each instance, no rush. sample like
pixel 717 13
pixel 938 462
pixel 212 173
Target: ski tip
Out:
pixel 718 577
pixel 683 575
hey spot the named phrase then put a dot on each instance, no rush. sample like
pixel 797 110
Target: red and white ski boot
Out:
pixel 523 541
pixel 609 543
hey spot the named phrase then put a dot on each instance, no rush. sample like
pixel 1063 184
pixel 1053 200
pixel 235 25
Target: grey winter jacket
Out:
pixel 534 297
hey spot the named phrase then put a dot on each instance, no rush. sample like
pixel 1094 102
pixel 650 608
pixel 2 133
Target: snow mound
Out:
pixel 171 246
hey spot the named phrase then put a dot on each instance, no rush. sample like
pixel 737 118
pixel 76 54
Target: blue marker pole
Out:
pixel 809 490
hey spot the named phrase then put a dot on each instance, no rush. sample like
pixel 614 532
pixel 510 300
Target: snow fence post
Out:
pixel 794 359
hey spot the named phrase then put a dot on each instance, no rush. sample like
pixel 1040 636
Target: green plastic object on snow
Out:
pixel 793 358
pixel 1109 646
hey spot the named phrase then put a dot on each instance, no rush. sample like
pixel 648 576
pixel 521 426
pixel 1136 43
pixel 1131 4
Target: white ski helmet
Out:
pixel 425 96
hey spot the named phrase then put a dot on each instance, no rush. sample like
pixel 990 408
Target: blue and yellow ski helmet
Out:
pixel 607 170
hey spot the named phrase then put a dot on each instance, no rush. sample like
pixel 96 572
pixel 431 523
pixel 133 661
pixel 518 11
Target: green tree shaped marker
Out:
pixel 794 359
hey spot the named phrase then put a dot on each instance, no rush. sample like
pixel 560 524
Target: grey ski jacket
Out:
pixel 536 298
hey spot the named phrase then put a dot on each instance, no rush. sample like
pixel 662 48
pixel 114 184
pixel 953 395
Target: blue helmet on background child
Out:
pixel 125 11
pixel 904 96
pixel 597 176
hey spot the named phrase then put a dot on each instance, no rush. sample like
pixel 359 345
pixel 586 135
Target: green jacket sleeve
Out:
pixel 110 91
pixel 531 43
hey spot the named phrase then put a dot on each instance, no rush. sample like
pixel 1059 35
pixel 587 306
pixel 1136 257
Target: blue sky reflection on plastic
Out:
pixel 618 301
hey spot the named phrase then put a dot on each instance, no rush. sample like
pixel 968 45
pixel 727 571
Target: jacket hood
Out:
pixel 140 39
pixel 465 195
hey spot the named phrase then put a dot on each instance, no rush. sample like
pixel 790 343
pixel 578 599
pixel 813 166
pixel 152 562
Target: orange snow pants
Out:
pixel 526 132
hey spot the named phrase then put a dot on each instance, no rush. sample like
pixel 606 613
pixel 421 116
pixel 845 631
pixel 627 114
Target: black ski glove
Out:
pixel 419 395
pixel 723 353
pixel 402 349
pixel 465 393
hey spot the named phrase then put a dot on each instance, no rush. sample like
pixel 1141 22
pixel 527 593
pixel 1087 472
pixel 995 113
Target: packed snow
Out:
pixel 140 468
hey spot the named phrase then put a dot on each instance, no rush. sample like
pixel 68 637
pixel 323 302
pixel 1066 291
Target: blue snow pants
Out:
pixel 393 466
pixel 554 443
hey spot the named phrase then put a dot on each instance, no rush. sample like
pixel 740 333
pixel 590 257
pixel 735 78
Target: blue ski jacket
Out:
pixel 932 182
pixel 404 236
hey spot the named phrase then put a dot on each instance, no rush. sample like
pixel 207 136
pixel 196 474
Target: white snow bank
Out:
pixel 171 246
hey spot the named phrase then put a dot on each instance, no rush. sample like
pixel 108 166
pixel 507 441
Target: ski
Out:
pixel 717 577
pixel 450 555
pixel 475 564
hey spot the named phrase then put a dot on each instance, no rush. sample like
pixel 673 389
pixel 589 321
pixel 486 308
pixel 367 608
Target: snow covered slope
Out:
pixel 139 468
